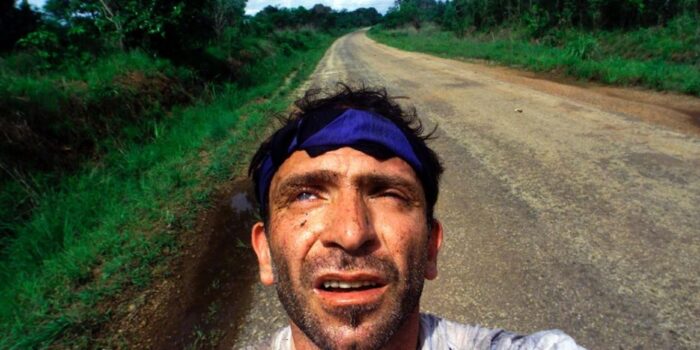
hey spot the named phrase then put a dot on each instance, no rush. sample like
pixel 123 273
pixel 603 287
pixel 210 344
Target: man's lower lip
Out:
pixel 351 297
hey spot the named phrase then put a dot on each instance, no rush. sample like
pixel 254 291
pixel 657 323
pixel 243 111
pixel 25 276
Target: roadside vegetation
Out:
pixel 647 43
pixel 118 120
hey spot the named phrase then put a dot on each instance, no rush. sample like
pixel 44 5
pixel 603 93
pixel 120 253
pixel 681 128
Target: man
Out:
pixel 346 190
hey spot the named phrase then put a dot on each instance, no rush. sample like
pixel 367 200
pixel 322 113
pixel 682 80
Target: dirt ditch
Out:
pixel 208 292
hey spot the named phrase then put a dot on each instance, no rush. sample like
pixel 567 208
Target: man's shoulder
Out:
pixel 438 333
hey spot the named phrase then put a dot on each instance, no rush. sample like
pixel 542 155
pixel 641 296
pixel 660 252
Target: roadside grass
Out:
pixel 658 58
pixel 52 121
pixel 74 104
pixel 106 228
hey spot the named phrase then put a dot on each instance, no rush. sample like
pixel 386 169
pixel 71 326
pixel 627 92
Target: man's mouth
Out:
pixel 339 290
pixel 341 286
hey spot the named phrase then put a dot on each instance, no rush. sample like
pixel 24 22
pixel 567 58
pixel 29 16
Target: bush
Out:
pixel 44 45
pixel 581 54
pixel 679 42
pixel 537 21
pixel 52 121
pixel 582 46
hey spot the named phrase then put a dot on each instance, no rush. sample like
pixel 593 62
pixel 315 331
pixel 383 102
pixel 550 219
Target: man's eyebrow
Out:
pixel 387 181
pixel 308 179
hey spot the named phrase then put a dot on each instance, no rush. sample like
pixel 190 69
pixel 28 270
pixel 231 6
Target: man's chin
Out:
pixel 356 327
pixel 351 315
pixel 364 336
pixel 356 342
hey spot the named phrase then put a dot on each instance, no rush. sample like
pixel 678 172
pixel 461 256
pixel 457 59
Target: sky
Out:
pixel 34 3
pixel 253 6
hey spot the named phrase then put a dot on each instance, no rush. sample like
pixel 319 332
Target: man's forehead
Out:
pixel 344 162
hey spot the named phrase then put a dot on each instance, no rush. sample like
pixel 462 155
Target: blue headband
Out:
pixel 351 128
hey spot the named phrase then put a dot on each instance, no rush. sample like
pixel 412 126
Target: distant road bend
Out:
pixel 564 206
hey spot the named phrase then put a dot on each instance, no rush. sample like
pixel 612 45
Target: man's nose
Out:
pixel 350 225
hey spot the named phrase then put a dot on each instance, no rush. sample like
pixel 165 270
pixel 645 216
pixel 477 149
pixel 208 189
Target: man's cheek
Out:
pixel 286 263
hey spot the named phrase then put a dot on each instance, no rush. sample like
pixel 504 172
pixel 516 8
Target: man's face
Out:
pixel 348 246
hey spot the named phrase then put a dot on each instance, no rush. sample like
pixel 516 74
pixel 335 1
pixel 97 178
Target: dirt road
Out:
pixel 564 206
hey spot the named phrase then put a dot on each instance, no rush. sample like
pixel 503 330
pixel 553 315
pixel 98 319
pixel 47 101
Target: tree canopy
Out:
pixel 539 16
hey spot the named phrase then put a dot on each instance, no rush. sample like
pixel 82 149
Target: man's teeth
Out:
pixel 347 285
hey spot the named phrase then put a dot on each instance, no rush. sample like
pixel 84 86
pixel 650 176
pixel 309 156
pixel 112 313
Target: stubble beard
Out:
pixel 394 316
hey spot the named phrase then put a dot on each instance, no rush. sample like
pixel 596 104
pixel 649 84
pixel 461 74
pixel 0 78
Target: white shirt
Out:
pixel 439 334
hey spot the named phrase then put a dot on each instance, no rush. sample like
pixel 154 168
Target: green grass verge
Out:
pixel 579 55
pixel 105 228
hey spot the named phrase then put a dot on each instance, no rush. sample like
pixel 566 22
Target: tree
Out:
pixel 16 23
pixel 166 26
pixel 322 16
pixel 226 13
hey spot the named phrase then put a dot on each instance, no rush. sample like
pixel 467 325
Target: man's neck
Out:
pixel 406 337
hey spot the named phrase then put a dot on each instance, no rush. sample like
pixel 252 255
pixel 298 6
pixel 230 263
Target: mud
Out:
pixel 209 291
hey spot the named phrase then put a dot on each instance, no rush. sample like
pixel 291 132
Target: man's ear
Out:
pixel 434 244
pixel 262 249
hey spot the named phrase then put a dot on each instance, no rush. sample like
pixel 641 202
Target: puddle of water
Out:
pixel 241 204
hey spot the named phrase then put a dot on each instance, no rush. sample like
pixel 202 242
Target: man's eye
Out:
pixel 394 194
pixel 305 196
